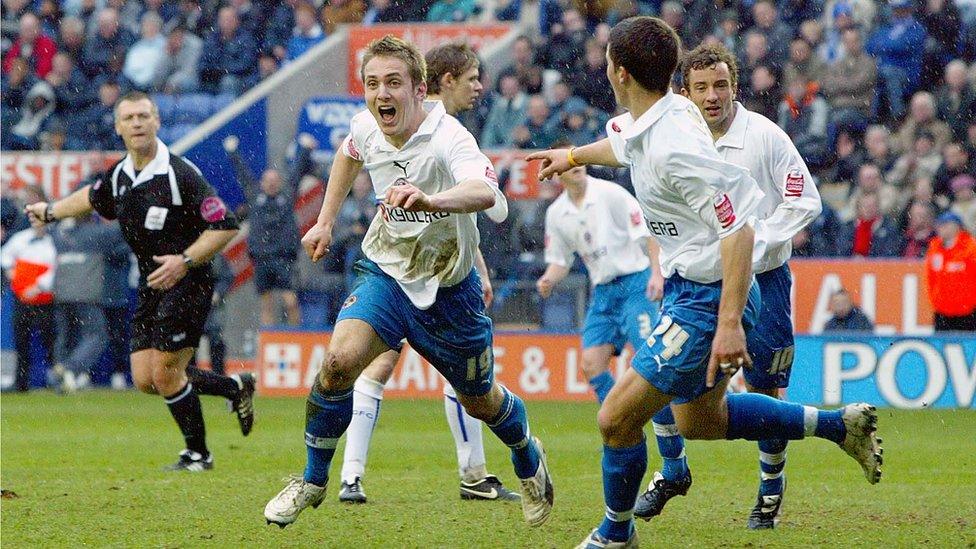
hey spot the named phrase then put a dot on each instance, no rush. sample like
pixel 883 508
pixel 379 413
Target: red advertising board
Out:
pixel 424 35
pixel 891 292
pixel 58 173
pixel 537 367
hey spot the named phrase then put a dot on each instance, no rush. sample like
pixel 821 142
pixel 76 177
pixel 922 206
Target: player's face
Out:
pixel 612 77
pixel 573 177
pixel 467 89
pixel 393 98
pixel 137 122
pixel 711 90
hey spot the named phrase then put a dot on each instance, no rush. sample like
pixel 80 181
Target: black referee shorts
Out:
pixel 173 319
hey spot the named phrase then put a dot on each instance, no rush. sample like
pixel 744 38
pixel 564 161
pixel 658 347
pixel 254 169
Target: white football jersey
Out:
pixel 691 198
pixel 606 230
pixel 792 200
pixel 423 251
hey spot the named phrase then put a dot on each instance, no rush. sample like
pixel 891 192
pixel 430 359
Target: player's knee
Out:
pixel 617 426
pixel 337 371
pixel 144 385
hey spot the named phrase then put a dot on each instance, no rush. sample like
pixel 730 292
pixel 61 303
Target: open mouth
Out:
pixel 713 111
pixel 387 113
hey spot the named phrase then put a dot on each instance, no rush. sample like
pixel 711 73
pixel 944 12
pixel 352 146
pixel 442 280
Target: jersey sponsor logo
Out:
pixel 155 218
pixel 794 183
pixel 399 214
pixel 402 166
pixel 724 210
pixel 213 209
pixel 662 228
pixel 636 218
pixel 490 175
pixel 352 150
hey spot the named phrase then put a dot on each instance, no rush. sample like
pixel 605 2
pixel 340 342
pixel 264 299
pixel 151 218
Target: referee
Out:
pixel 175 223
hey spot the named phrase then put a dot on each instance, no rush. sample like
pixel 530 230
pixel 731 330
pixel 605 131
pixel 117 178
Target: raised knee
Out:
pixel 336 373
pixel 616 426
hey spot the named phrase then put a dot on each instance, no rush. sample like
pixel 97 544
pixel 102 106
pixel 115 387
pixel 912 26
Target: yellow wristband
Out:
pixel 569 158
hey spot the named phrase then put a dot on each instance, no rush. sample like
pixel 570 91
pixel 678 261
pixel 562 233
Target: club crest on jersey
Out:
pixel 349 301
pixel 794 183
pixel 213 209
pixel 724 210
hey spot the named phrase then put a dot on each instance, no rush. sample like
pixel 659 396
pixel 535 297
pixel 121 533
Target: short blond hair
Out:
pixel 391 46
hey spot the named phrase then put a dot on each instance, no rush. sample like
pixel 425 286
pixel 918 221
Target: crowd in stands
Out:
pixel 879 97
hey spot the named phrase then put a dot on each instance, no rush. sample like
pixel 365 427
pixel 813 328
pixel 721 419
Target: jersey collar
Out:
pixel 648 119
pixel 735 137
pixel 159 165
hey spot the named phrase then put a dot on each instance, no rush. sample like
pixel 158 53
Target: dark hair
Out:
pixel 454 59
pixel 705 56
pixel 648 49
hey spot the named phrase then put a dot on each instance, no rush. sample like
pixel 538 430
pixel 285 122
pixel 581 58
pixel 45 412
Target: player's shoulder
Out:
pixel 363 124
pixel 183 166
pixel 765 129
pixel 449 130
pixel 558 207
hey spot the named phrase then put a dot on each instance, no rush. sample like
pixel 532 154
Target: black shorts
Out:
pixel 272 273
pixel 173 319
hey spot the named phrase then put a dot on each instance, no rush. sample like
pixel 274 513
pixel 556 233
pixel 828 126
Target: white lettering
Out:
pixel 834 372
pixel 573 375
pixel 534 377
pixel 821 313
pixel 935 379
pixel 909 308
pixel 315 360
pixel 963 377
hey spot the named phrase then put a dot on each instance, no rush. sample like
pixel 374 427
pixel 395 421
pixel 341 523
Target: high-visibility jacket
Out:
pixel 951 274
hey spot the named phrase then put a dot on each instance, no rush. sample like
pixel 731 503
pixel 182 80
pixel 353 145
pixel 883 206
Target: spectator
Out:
pixel 267 65
pixel 964 200
pixel 795 12
pixel 72 91
pixel 955 161
pixel 568 45
pixel 178 70
pixel 580 125
pixel 870 234
pixel 32 45
pixel 279 28
pixel 920 230
pixel 847 317
pixel 899 46
pixel 10 16
pixel 191 17
pixel 537 131
pixel 950 267
pixel 168 12
pixel 95 129
pixel 877 144
pixel 229 55
pixel 922 117
pixel 214 327
pixel 859 13
pixel 115 304
pixel 562 99
pixel 812 31
pixel 307 32
pixel 508 10
pixel 942 24
pixel 833 49
pixel 145 56
pixel 803 116
pixel 71 38
pixel 803 62
pixel 956 100
pixel 110 40
pixel 354 218
pixel 588 81
pixel 14 91
pixel 79 283
pixel 250 17
pixel 699 18
pixel 273 239
pixel 451 11
pixel 727 31
pixel 763 94
pixel 673 13
pixel 766 21
pixel 921 162
pixel 848 158
pixel 871 181
pixel 755 53
pixel 36 112
pixel 819 238
pixel 338 12
pixel 524 66
pixel 849 84
pixel 28 260
pixel 507 112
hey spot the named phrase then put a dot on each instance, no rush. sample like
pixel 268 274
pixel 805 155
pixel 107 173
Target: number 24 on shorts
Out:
pixel 672 336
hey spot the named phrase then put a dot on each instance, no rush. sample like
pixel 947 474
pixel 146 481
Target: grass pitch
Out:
pixel 86 470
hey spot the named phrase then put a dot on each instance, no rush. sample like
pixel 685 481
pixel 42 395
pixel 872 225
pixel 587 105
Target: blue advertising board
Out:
pixel 900 372
pixel 327 119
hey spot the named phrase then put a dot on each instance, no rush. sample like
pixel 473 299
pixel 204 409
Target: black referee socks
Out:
pixel 185 407
pixel 206 382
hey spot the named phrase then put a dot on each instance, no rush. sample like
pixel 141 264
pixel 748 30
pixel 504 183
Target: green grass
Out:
pixel 87 472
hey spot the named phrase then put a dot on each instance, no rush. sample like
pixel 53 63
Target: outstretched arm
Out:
pixel 557 161
pixel 73 205
pixel 317 240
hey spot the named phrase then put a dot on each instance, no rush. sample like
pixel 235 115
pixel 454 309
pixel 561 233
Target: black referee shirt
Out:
pixel 162 209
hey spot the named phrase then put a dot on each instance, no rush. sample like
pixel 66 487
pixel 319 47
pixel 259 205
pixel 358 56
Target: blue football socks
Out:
pixel 327 416
pixel 623 470
pixel 511 425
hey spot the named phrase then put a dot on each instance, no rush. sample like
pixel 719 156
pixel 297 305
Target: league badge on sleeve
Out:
pixel 213 209
pixel 794 183
pixel 724 210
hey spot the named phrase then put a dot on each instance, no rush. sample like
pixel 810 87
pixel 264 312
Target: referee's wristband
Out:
pixel 49 213
pixel 569 158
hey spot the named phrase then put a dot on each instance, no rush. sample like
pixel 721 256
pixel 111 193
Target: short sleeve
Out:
pixel 355 143
pixel 615 129
pixel 100 196
pixel 466 162
pixel 557 249
pixel 201 199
